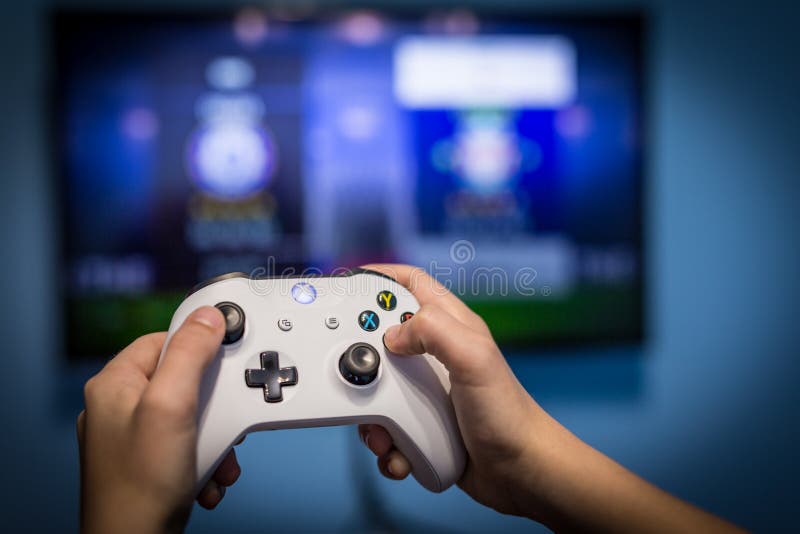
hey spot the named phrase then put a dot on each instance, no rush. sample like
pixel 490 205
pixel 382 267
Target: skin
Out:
pixel 138 433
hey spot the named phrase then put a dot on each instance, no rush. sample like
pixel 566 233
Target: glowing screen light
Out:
pixel 250 26
pixel 231 160
pixel 362 28
pixel 230 73
pixel 485 71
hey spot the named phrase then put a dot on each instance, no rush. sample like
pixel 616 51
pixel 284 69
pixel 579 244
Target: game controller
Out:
pixel 309 352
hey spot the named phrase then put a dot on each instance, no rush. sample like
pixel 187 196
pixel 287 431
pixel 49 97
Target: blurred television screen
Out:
pixel 501 152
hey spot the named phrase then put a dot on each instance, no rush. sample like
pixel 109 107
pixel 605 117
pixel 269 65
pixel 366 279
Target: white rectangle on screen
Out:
pixel 497 71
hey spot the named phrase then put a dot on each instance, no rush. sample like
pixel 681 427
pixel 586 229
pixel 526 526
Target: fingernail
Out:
pixel 390 335
pixel 208 316
pixel 366 439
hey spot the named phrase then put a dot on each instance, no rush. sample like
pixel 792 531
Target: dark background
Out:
pixel 707 409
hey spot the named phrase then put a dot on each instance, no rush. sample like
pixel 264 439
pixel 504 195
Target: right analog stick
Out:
pixel 359 364
pixel 234 322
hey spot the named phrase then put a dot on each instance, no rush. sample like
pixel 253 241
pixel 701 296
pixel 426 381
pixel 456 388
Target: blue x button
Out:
pixel 368 320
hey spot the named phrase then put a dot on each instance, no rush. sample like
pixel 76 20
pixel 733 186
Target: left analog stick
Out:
pixel 234 322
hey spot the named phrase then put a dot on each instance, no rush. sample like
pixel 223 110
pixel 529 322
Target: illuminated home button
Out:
pixel 304 293
pixel 406 316
pixel 332 322
pixel 387 300
pixel 368 320
pixel 285 324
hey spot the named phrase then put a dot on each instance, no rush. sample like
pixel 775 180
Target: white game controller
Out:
pixel 309 352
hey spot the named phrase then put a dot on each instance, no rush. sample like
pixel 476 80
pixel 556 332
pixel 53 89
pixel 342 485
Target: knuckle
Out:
pixel 425 319
pixel 164 407
pixel 424 325
pixel 416 270
pixel 111 390
pixel 93 389
pixel 126 396
pixel 417 276
pixel 478 321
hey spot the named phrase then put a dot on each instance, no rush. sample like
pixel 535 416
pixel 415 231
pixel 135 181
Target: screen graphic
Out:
pixel 501 153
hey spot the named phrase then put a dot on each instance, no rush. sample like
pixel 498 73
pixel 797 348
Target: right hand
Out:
pixel 498 420
pixel 520 460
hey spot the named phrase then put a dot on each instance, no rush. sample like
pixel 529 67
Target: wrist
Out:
pixel 544 468
pixel 562 476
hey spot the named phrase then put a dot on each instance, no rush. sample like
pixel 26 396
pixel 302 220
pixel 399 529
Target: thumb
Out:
pixel 432 330
pixel 175 384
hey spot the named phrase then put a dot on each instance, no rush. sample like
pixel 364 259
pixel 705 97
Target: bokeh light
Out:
pixel 362 28
pixel 250 26
pixel 140 124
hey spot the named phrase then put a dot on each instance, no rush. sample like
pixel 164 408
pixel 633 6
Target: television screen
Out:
pixel 501 152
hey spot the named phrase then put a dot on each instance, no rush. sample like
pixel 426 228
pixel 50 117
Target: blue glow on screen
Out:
pixel 195 147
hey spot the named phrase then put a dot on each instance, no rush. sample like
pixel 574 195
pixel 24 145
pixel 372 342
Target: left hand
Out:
pixel 138 433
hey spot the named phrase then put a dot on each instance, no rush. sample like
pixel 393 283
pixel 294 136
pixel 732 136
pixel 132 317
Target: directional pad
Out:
pixel 271 377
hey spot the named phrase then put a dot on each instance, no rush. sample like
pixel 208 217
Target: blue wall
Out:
pixel 708 409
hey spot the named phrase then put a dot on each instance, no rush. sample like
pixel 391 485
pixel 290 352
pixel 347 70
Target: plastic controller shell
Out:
pixel 410 396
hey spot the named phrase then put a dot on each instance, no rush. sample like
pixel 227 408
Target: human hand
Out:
pixel 520 460
pixel 499 421
pixel 138 433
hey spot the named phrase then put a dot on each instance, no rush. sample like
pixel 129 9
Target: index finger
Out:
pixel 142 354
pixel 428 290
